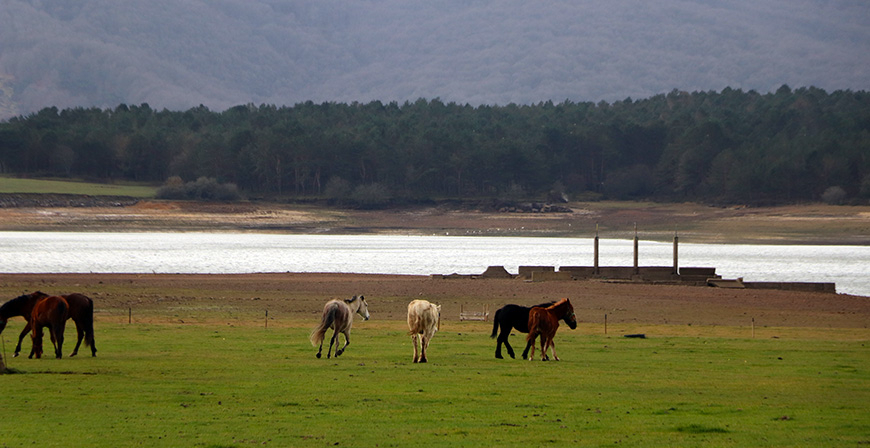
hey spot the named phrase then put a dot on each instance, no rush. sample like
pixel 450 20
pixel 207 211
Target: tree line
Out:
pixel 720 147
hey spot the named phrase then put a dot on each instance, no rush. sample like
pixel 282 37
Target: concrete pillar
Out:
pixel 595 256
pixel 636 267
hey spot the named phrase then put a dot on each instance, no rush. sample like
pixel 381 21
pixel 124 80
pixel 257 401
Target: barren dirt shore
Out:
pixel 803 224
pixel 244 299
pixel 207 298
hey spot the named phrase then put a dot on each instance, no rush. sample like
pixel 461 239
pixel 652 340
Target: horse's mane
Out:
pixel 353 299
pixel 545 305
pixel 22 298
pixel 558 302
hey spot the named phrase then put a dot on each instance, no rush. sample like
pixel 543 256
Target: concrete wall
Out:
pixel 526 271
pixel 793 286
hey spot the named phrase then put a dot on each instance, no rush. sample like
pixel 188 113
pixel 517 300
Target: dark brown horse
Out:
pixel 51 312
pixel 511 317
pixel 545 322
pixel 81 311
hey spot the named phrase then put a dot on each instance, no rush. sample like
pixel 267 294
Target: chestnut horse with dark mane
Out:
pixel 51 312
pixel 81 311
pixel 545 322
pixel 511 317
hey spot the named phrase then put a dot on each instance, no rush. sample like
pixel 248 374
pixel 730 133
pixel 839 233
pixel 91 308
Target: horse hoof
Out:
pixel 423 360
pixel 498 357
pixel 15 355
pixel 72 354
pixel 317 355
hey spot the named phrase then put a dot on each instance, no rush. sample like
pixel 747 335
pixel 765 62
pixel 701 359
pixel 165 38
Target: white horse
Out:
pixel 338 315
pixel 424 318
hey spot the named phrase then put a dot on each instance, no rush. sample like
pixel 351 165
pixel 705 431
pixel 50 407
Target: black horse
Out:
pixel 511 317
pixel 81 311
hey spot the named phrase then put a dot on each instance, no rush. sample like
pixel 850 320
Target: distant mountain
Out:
pixel 219 53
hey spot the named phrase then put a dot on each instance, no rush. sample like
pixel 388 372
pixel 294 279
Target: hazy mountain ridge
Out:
pixel 222 53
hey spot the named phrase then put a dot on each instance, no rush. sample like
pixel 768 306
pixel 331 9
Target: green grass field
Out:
pixel 221 385
pixel 45 186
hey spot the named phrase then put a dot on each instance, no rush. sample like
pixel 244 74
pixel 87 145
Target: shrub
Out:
pixel 337 189
pixel 371 195
pixel 834 195
pixel 203 189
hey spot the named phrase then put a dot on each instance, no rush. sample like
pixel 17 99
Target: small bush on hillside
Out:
pixel 371 196
pixel 203 189
pixel 337 189
pixel 834 195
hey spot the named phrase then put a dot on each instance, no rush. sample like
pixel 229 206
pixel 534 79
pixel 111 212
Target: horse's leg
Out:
pixel 530 344
pixel 346 343
pixel 319 349
pixel 553 347
pixel 36 341
pixel 505 333
pixel 526 350
pixel 24 332
pixel 52 332
pixel 332 340
pixel 58 337
pixel 414 340
pixel 544 346
pixel 424 343
pixel 89 339
pixel 81 335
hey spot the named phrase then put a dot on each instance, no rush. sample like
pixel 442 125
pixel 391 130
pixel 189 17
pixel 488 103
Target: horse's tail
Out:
pixel 495 323
pixel 533 326
pixel 415 326
pixel 319 331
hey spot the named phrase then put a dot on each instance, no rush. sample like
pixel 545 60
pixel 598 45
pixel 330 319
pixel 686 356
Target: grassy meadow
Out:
pixel 235 385
pixel 48 186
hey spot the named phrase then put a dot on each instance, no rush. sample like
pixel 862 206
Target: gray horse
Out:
pixel 338 315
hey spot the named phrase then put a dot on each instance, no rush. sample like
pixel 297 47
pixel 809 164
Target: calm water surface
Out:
pixel 205 253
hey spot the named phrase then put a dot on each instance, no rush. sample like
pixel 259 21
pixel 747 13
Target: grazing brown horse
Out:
pixel 51 312
pixel 81 311
pixel 545 322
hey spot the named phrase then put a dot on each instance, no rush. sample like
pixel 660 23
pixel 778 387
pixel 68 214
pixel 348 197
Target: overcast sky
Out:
pixel 178 54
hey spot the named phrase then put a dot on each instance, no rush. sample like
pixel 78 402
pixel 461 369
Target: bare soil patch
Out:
pixel 245 298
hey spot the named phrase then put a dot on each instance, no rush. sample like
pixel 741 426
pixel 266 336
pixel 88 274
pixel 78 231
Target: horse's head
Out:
pixel 570 318
pixel 363 309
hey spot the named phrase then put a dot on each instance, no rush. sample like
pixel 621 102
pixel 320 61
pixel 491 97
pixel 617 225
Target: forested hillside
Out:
pixel 724 147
